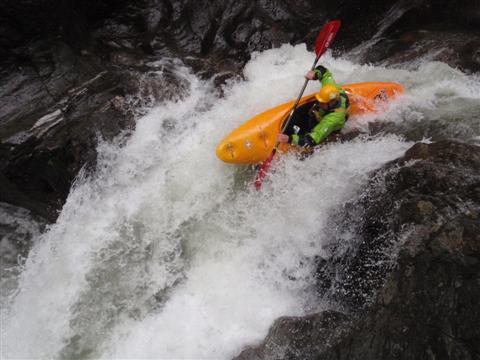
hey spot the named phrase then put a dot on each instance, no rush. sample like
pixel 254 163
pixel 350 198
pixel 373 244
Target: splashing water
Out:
pixel 168 253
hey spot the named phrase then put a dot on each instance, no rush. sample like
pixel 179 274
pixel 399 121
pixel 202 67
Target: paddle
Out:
pixel 323 41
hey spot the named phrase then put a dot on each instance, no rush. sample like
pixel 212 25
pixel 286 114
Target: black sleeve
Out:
pixel 322 69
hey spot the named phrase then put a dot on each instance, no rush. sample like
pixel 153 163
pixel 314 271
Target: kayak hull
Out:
pixel 253 141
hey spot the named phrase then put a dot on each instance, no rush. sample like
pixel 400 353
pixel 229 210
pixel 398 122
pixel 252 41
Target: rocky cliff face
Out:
pixel 412 280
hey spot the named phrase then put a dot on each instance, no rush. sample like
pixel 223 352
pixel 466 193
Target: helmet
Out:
pixel 328 93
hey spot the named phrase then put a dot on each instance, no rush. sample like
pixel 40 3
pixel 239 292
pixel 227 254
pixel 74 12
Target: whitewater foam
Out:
pixel 168 253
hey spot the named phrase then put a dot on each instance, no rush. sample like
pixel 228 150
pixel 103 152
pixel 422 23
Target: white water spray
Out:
pixel 168 253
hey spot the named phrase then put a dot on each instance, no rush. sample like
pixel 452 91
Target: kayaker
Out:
pixel 329 111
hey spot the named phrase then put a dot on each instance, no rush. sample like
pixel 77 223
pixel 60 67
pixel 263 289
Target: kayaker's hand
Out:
pixel 282 138
pixel 310 75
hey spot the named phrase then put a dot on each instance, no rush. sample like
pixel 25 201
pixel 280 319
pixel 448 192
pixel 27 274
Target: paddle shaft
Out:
pixel 285 125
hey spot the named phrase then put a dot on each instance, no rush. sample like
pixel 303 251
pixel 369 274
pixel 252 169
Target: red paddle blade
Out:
pixel 262 172
pixel 326 36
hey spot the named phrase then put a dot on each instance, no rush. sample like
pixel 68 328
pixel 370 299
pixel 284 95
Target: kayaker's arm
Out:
pixel 331 122
pixel 325 76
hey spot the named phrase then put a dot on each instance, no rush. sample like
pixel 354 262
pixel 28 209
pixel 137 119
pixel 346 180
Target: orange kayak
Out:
pixel 252 142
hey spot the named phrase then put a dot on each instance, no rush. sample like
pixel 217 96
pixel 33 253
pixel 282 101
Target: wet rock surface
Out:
pixel 54 132
pixel 411 281
pixel 60 95
pixel 409 30
pixel 415 195
pixel 300 337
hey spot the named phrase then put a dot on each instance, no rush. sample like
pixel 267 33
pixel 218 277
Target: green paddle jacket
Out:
pixel 329 120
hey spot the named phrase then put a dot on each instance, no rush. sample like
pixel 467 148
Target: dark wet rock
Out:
pixel 56 106
pixel 225 32
pixel 69 20
pixel 410 281
pixel 228 32
pixel 300 337
pixel 429 187
pixel 407 30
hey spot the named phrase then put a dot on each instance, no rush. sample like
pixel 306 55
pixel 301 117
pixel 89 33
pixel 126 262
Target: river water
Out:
pixel 166 252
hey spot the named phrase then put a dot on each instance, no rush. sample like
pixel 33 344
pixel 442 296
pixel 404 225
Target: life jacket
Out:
pixel 339 105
